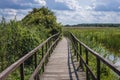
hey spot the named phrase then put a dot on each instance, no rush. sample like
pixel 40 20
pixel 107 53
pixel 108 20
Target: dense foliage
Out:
pixel 19 37
pixel 43 17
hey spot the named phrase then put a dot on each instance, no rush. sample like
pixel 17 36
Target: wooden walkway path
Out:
pixel 60 66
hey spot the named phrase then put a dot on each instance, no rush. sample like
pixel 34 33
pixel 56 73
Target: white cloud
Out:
pixel 68 11
pixel 78 5
pixel 119 7
pixel 41 2
pixel 11 13
pixel 71 17
pixel 72 4
pixel 75 17
pixel 8 12
pixel 84 12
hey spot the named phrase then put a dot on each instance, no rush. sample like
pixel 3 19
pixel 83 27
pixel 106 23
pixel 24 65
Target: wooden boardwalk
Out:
pixel 60 66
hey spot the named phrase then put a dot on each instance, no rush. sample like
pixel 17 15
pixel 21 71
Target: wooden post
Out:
pixel 98 68
pixel 46 46
pixel 22 71
pixel 49 47
pixel 77 50
pixel 37 77
pixel 46 52
pixel 74 46
pixel 81 64
pixel 42 57
pixel 35 58
pixel 87 74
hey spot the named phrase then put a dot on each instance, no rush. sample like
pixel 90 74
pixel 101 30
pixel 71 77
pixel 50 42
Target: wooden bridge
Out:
pixel 60 65
pixel 61 59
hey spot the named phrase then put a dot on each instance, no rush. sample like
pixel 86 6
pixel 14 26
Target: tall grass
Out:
pixel 108 37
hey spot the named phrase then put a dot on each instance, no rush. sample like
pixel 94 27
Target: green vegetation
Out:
pixel 105 41
pixel 95 25
pixel 107 37
pixel 19 37
pixel 43 17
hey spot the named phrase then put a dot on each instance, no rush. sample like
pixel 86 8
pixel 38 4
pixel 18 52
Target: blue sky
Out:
pixel 67 11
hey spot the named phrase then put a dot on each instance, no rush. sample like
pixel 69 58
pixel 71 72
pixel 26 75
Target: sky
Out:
pixel 66 11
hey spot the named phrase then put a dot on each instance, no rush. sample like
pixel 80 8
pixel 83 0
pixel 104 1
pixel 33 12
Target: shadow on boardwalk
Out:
pixel 62 65
pixel 76 68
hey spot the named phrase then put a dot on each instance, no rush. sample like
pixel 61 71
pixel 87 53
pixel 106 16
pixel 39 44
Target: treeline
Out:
pixel 19 37
pixel 94 25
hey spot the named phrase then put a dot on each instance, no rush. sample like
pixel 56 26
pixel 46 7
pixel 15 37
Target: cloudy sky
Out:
pixel 67 11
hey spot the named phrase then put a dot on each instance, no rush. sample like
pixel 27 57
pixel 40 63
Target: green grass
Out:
pixel 107 37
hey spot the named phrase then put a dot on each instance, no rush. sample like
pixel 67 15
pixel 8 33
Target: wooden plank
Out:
pixel 60 65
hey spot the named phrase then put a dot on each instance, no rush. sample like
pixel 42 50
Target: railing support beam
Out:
pixel 35 56
pixel 87 73
pixel 81 64
pixel 98 69
pixel 42 57
pixel 22 71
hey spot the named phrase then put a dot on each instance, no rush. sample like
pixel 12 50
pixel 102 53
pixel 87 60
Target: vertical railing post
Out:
pixel 72 42
pixel 35 58
pixel 49 47
pixel 50 50
pixel 49 44
pixel 87 74
pixel 74 46
pixel 98 68
pixel 37 75
pixel 46 46
pixel 42 57
pixel 46 52
pixel 22 75
pixel 81 64
pixel 77 50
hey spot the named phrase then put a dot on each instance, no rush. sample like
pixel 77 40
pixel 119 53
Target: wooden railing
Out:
pixel 46 49
pixel 77 46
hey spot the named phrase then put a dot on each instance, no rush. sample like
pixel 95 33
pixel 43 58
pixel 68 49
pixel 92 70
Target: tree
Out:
pixel 42 16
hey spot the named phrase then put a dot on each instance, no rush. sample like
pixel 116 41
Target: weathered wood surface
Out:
pixel 60 65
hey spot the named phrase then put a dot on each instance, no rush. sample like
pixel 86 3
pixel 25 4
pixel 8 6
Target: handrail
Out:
pixel 34 75
pixel 76 43
pixel 20 62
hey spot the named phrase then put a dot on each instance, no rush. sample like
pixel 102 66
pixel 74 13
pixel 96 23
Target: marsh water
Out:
pixel 112 56
pixel 115 59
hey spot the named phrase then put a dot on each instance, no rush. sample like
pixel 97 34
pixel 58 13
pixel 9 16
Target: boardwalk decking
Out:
pixel 60 66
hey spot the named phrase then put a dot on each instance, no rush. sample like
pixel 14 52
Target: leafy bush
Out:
pixel 44 17
pixel 19 37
